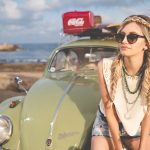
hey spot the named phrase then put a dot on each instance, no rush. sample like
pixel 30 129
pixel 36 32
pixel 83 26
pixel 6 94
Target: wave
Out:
pixel 22 61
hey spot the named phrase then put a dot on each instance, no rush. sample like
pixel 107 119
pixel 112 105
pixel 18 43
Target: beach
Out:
pixel 29 73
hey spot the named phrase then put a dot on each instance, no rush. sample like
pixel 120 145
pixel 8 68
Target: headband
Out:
pixel 138 20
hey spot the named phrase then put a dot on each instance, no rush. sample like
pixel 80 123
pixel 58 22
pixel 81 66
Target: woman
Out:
pixel 123 118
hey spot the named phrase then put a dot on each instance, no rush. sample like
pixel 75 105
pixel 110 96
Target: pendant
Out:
pixel 127 116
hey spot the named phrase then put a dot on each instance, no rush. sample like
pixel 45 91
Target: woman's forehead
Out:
pixel 132 27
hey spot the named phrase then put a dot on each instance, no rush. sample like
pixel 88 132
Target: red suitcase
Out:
pixel 77 22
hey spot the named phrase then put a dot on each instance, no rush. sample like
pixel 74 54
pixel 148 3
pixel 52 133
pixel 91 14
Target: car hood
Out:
pixel 58 114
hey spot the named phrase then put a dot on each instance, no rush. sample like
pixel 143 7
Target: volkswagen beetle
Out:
pixel 59 109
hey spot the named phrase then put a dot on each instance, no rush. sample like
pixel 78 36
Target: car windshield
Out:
pixel 73 59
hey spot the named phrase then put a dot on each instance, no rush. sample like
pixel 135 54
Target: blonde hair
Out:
pixel 144 23
pixel 115 75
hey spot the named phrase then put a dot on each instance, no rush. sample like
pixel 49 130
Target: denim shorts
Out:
pixel 100 127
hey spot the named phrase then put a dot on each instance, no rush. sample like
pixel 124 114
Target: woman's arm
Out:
pixel 109 109
pixel 145 131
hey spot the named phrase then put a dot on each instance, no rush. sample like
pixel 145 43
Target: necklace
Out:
pixel 128 115
pixel 132 75
pixel 125 96
pixel 126 83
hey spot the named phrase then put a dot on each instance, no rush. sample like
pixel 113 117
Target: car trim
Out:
pixel 55 114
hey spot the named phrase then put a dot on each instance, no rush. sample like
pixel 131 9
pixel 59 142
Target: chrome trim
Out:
pixel 55 114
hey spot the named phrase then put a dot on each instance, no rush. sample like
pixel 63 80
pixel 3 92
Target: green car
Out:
pixel 59 109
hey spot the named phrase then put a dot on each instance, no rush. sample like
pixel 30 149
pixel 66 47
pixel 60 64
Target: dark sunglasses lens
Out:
pixel 132 38
pixel 119 37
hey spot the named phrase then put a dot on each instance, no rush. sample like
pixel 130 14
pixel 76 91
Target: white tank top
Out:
pixel 130 115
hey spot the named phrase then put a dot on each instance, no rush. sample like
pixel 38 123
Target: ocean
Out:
pixel 28 53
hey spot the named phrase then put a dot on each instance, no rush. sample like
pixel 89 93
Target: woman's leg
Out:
pixel 101 143
pixel 148 143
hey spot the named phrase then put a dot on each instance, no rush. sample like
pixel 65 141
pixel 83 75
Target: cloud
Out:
pixel 98 3
pixel 36 5
pixel 10 9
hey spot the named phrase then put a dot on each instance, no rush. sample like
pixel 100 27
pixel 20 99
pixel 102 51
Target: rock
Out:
pixel 8 47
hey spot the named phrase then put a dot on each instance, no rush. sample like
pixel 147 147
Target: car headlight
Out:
pixel 5 129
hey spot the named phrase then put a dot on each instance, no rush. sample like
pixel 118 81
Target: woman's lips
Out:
pixel 124 47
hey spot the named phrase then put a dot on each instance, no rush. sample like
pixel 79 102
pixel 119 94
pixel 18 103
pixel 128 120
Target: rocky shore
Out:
pixel 9 47
pixel 28 72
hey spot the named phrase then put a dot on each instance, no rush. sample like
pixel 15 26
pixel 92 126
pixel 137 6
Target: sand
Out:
pixel 29 73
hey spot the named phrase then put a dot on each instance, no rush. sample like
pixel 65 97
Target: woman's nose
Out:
pixel 125 40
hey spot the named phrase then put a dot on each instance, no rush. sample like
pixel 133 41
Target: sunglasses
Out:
pixel 131 38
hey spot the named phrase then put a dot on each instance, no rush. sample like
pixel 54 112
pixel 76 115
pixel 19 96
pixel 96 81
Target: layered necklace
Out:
pixel 125 87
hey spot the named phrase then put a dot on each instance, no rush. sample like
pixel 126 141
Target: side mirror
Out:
pixel 20 87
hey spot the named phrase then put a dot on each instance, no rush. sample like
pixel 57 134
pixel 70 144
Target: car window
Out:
pixel 73 59
pixel 65 60
pixel 58 62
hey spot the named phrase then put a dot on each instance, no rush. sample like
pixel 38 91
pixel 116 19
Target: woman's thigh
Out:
pixel 101 143
pixel 148 143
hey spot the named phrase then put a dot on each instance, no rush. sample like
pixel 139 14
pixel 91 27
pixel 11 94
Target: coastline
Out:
pixel 8 47
pixel 29 73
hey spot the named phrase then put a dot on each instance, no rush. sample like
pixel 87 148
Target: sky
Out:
pixel 40 21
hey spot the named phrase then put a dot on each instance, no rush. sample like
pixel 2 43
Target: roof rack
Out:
pixel 101 32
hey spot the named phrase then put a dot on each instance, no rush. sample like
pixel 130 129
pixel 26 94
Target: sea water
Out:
pixel 28 53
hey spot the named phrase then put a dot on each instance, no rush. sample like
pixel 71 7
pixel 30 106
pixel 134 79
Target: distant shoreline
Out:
pixel 9 47
pixel 27 53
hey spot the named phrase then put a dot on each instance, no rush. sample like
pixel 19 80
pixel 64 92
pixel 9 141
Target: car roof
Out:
pixel 90 43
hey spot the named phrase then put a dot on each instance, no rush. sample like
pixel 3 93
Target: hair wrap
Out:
pixel 138 20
